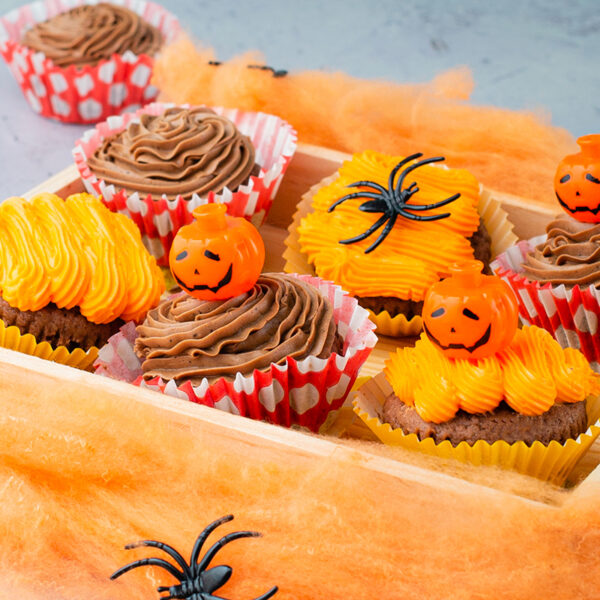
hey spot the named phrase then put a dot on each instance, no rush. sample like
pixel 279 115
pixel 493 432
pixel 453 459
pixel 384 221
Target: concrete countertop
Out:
pixel 536 54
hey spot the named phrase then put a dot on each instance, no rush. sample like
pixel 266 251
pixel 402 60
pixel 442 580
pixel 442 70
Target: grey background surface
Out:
pixel 536 54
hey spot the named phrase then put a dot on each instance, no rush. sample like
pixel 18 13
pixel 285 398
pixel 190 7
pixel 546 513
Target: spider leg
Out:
pixel 382 235
pixel 354 195
pixel 379 223
pixel 397 167
pixel 165 548
pixel 202 538
pixel 268 594
pixel 423 217
pixel 373 206
pixel 431 206
pixel 230 537
pixel 414 166
pixel 371 184
pixel 155 562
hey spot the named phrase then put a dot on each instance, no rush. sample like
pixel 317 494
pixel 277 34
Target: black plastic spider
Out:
pixel 196 582
pixel 393 201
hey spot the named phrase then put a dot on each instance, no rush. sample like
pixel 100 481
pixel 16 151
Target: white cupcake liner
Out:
pixel 81 94
pixel 159 219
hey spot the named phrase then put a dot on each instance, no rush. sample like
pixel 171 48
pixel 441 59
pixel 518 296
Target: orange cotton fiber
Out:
pixel 515 152
pixel 86 468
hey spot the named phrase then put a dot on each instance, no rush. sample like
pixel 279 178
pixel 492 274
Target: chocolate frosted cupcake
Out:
pixel 275 347
pixel 281 317
pixel 81 62
pixel 181 152
pixel 158 164
pixel 87 34
pixel 71 272
pixel 569 255
pixel 556 277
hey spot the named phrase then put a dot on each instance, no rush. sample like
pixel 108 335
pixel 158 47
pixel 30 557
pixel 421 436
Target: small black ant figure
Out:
pixel 393 201
pixel 196 581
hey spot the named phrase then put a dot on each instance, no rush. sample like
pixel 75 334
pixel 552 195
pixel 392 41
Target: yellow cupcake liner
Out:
pixel 552 463
pixel 12 339
pixel 492 214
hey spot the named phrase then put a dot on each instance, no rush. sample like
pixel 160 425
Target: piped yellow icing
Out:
pixel 414 255
pixel 75 252
pixel 531 375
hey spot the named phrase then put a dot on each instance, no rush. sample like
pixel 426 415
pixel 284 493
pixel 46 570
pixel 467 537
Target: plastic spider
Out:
pixel 393 201
pixel 196 582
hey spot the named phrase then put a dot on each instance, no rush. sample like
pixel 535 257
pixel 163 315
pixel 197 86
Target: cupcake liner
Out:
pixel 493 216
pixel 297 393
pixel 87 94
pixel 12 339
pixel 160 219
pixel 552 463
pixel 571 315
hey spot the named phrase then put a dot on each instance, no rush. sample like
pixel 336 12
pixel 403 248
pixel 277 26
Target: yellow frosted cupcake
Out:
pixel 386 228
pixel 71 273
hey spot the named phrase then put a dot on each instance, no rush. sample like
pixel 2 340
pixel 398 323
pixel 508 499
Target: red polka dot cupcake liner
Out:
pixel 570 314
pixel 159 219
pixel 298 393
pixel 81 94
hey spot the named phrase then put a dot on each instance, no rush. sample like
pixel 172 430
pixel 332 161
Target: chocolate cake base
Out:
pixel 59 326
pixel 560 423
pixel 482 250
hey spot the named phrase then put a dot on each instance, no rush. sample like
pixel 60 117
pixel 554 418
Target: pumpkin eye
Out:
pixel 470 314
pixel 565 178
pixel 181 255
pixel 438 313
pixel 591 178
pixel 211 255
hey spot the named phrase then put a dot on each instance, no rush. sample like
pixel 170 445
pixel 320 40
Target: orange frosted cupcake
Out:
pixel 71 273
pixel 386 228
pixel 476 388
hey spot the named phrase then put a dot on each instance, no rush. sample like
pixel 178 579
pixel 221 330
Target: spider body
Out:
pixel 393 201
pixel 196 580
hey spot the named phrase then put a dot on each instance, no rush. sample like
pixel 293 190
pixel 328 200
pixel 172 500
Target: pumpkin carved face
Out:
pixel 216 256
pixel 470 315
pixel 577 181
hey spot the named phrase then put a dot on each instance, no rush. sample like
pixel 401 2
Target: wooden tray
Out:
pixel 423 477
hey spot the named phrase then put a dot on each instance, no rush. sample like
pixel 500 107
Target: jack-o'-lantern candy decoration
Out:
pixel 577 181
pixel 216 256
pixel 470 315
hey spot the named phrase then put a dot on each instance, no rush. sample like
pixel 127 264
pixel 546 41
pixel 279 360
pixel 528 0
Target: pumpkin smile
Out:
pixel 484 339
pixel 574 209
pixel 202 286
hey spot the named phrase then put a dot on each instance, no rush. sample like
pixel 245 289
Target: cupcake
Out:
pixel 476 388
pixel 71 273
pixel 275 347
pixel 81 61
pixel 386 228
pixel 160 163
pixel 557 276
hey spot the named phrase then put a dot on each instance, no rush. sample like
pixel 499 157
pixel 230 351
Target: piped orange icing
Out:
pixel 414 254
pixel 530 375
pixel 75 252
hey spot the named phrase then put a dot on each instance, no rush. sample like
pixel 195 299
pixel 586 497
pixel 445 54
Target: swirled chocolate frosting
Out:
pixel 181 152
pixel 188 339
pixel 570 255
pixel 88 34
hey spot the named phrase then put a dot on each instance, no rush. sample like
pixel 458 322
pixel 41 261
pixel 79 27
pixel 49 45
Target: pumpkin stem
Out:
pixel 590 144
pixel 467 273
pixel 211 217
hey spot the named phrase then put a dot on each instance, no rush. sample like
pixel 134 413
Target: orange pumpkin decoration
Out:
pixel 470 315
pixel 216 256
pixel 577 181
